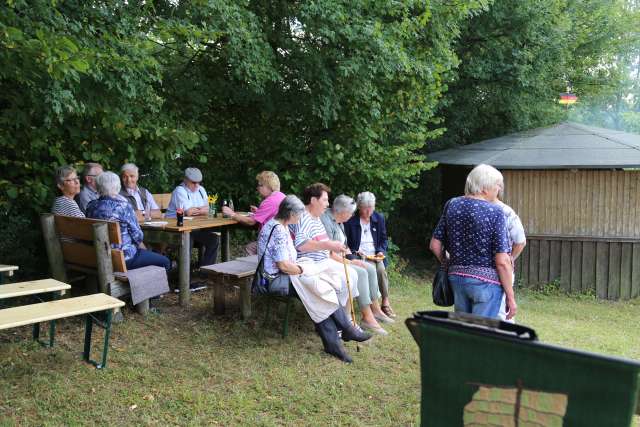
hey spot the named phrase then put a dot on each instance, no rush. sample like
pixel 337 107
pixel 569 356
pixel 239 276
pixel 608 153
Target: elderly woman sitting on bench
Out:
pixel 111 207
pixel 312 286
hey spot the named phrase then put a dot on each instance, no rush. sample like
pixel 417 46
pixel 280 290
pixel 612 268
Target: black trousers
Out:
pixel 210 242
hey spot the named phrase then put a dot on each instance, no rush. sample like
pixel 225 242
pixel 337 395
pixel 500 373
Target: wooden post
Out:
pixel 184 266
pixel 104 265
pixel 54 249
pixel 219 305
pixel 225 244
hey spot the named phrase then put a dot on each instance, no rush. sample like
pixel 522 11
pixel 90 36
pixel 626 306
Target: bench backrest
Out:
pixel 162 199
pixel 77 241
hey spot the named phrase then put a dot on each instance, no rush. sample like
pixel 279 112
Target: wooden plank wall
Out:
pixel 586 203
pixel 608 269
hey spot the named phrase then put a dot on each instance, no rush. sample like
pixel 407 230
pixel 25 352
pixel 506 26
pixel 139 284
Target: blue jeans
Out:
pixel 144 257
pixel 475 296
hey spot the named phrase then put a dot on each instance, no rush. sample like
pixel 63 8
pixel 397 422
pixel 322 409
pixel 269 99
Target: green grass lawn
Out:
pixel 191 368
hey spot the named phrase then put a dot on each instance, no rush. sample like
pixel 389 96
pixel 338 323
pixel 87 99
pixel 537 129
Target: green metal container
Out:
pixel 478 371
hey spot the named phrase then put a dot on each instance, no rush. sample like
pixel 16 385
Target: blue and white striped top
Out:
pixel 65 206
pixel 309 228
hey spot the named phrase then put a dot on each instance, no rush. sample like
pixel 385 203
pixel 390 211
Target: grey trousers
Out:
pixel 367 284
pixel 383 279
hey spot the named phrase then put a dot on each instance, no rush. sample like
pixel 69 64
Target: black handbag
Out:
pixel 260 282
pixel 441 291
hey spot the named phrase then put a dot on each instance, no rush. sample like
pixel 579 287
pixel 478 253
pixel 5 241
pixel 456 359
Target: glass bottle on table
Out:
pixel 225 202
pixel 147 213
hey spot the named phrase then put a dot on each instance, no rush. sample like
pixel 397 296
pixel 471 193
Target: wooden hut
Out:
pixel 577 190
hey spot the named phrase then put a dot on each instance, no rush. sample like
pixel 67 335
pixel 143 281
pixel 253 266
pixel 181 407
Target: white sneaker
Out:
pixel 384 318
pixel 375 329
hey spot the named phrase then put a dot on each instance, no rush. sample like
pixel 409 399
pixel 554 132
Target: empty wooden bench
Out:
pixel 6 270
pixel 34 314
pixel 235 273
pixel 84 244
pixel 239 272
pixel 41 290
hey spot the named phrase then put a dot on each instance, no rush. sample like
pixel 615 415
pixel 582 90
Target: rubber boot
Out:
pixel 332 344
pixel 349 332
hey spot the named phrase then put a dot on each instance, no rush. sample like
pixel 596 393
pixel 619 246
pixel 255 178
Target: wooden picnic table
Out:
pixel 156 232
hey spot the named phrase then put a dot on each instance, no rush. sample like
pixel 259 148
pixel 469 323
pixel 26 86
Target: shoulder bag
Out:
pixel 441 292
pixel 260 282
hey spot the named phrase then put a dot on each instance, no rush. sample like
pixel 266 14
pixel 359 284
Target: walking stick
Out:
pixel 353 312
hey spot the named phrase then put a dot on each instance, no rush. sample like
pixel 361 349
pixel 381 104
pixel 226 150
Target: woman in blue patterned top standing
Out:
pixel 471 238
pixel 112 207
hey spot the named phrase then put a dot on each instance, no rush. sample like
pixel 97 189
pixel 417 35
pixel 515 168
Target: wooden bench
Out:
pixel 236 273
pixel 84 244
pixel 36 288
pixel 34 314
pixel 239 272
pixel 6 270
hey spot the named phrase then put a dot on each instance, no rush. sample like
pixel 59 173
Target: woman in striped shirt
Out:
pixel 69 184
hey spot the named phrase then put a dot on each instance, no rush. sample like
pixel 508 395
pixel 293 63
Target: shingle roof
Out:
pixel 563 146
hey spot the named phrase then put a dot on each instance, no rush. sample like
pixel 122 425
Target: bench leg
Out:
pixel 36 332
pixel 87 339
pixel 245 299
pixel 143 307
pixel 218 297
pixel 88 328
pixel 52 326
pixel 52 332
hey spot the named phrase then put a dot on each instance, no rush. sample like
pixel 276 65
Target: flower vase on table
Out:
pixel 212 205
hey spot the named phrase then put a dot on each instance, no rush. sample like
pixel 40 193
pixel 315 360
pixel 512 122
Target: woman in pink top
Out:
pixel 269 190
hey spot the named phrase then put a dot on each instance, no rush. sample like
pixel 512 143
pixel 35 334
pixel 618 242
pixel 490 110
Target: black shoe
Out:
pixel 332 344
pixel 349 332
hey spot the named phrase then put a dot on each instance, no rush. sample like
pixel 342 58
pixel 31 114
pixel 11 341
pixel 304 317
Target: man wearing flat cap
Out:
pixel 192 198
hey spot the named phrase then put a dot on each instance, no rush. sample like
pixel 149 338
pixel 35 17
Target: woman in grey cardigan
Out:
pixel 333 218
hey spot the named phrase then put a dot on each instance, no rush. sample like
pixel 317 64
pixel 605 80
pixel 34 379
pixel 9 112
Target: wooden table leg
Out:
pixel 225 244
pixel 245 298
pixel 184 267
pixel 218 295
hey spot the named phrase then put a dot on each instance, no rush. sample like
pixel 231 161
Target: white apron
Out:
pixel 322 287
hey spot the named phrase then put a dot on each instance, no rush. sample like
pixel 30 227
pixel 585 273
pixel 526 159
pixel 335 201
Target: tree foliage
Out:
pixel 609 86
pixel 515 59
pixel 324 90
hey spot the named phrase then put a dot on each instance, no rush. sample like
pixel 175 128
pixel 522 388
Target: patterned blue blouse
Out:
pixel 279 248
pixel 118 209
pixel 473 231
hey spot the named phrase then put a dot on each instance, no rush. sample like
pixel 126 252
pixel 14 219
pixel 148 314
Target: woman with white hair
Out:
pixel 368 293
pixel 286 273
pixel 367 236
pixel 140 198
pixel 110 206
pixel 472 231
